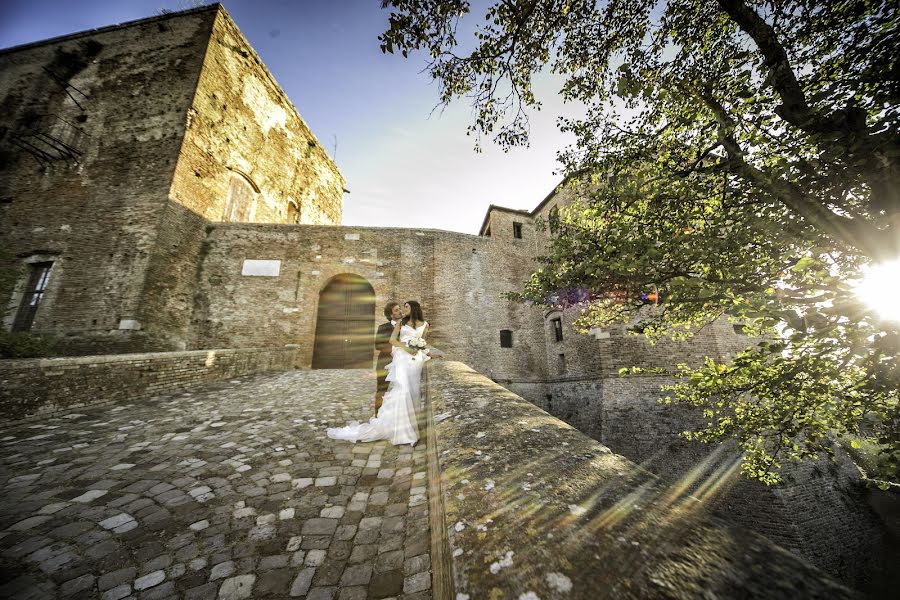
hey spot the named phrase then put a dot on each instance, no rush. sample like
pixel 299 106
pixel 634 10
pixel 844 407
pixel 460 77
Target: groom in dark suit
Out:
pixel 383 349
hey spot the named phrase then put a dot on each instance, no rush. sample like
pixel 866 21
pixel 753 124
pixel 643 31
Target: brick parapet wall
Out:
pixel 820 512
pixel 38 387
pixel 533 507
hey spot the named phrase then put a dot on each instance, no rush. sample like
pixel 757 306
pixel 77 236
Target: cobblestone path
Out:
pixel 227 491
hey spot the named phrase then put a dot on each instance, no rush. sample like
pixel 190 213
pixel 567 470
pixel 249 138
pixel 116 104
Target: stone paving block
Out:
pixel 160 562
pixel 53 508
pixel 417 583
pixel 314 558
pixel 294 543
pixel 302 582
pixel 357 574
pixel 319 526
pixel 417 564
pixel 176 571
pixel 329 572
pixel 384 585
pixel 322 593
pixel 207 591
pixel 237 588
pixel 164 591
pixel 117 593
pixel 149 580
pixel 277 561
pixel 29 523
pixel 353 593
pixel 389 561
pixel 367 536
pixel 72 530
pixel 275 582
pixel 116 578
pixel 116 521
pixel 222 570
pixel 79 584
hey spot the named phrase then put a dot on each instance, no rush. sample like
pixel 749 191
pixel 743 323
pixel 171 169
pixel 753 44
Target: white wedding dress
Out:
pixel 396 419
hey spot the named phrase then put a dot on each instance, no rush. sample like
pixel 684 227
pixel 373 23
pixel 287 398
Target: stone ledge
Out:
pixel 535 509
pixel 35 388
pixel 65 361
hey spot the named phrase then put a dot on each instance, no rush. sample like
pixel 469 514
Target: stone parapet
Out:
pixel 39 387
pixel 532 508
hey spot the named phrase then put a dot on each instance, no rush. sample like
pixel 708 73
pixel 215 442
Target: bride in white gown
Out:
pixel 396 419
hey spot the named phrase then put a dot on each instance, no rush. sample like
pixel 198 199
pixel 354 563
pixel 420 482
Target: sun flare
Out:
pixel 880 289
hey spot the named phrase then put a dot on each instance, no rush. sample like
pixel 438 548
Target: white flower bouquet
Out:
pixel 416 344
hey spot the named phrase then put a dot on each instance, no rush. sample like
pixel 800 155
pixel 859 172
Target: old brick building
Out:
pixel 119 147
pixel 158 191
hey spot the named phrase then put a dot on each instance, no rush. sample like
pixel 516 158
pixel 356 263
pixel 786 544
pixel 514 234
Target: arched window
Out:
pixel 293 212
pixel 240 207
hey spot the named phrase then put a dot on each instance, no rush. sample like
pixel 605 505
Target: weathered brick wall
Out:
pixel 471 274
pixel 458 279
pixel 170 287
pixel 242 125
pixel 97 219
pixel 30 388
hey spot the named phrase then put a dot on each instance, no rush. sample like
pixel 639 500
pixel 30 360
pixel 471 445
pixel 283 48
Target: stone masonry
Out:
pixel 229 491
pixel 118 146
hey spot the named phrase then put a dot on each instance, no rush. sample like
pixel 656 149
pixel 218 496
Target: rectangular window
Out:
pixel 34 293
pixel 557 329
pixel 562 364
pixel 505 338
pixel 517 230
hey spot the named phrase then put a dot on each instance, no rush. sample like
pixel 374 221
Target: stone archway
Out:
pixel 345 327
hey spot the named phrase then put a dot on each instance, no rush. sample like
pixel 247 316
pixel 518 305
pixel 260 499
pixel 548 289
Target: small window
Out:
pixel 517 230
pixel 557 329
pixel 239 207
pixel 562 364
pixel 34 293
pixel 293 213
pixel 505 338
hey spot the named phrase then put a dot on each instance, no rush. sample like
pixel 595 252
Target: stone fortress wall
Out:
pixel 194 162
pixel 118 147
pixel 94 214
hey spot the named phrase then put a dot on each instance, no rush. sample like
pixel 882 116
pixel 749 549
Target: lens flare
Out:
pixel 880 289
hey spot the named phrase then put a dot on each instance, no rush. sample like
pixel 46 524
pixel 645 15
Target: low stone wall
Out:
pixel 37 387
pixel 533 508
pixel 819 512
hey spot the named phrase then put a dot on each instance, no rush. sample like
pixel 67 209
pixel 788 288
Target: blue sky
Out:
pixel 404 165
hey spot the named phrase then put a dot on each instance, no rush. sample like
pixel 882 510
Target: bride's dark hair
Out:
pixel 415 313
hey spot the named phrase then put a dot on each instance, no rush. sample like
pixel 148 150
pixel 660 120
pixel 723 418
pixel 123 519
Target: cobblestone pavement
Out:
pixel 227 491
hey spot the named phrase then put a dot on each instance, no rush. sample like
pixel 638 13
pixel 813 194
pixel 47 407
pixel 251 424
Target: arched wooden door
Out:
pixel 345 328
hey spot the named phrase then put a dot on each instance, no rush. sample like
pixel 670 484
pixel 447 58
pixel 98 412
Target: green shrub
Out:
pixel 24 345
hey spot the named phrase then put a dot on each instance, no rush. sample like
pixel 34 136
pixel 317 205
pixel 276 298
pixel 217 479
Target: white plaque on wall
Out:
pixel 351 236
pixel 261 268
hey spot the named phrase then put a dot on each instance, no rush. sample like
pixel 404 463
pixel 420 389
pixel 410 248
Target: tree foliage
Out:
pixel 740 156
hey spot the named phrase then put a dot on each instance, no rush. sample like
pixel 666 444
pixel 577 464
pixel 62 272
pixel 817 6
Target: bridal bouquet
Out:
pixel 416 344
